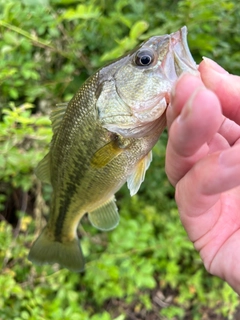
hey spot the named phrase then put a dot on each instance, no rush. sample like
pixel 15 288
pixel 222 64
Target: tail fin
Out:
pixel 68 255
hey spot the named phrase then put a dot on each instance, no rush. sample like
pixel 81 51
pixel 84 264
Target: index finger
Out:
pixel 183 89
pixel 190 133
pixel 226 86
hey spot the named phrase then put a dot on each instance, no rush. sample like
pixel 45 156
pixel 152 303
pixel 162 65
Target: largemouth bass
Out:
pixel 103 138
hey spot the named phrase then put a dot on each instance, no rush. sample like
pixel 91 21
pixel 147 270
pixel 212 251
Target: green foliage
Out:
pixel 21 134
pixel 47 49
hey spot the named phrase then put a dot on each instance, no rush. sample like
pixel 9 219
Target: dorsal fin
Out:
pixel 43 169
pixel 57 115
pixel 135 180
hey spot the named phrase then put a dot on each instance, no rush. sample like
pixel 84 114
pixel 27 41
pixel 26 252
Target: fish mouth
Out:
pixel 178 60
pixel 144 116
pixel 180 53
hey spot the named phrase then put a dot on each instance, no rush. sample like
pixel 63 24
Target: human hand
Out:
pixel 203 163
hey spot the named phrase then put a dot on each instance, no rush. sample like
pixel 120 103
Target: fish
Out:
pixel 102 139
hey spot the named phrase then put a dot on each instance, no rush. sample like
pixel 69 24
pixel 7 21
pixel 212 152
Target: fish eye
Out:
pixel 144 58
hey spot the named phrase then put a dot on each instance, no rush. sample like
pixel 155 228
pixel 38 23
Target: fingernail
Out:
pixel 189 105
pixel 213 65
pixel 184 74
pixel 186 111
pixel 173 91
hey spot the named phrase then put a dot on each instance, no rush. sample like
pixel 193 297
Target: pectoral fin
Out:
pixel 135 180
pixel 110 151
pixel 106 216
pixel 105 155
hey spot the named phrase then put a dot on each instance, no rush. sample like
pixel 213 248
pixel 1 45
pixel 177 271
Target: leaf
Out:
pixel 138 29
pixel 82 12
pixel 10 38
pixel 43 121
pixel 121 317
pixel 13 93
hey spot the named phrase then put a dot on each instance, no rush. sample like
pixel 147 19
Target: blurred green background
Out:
pixel 146 268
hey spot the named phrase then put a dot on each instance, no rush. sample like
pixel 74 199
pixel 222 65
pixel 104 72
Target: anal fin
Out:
pixel 106 216
pixel 135 180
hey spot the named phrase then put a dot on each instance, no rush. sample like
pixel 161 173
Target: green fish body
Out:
pixel 103 138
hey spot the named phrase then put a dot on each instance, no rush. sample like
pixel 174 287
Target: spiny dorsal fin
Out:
pixel 106 216
pixel 135 180
pixel 57 115
pixel 43 169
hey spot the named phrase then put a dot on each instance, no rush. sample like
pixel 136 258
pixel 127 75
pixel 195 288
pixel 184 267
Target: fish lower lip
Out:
pixel 182 54
pixel 183 32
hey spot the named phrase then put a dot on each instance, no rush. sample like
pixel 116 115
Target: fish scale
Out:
pixel 103 138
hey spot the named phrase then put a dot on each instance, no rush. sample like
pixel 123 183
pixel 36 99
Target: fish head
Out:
pixel 135 90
